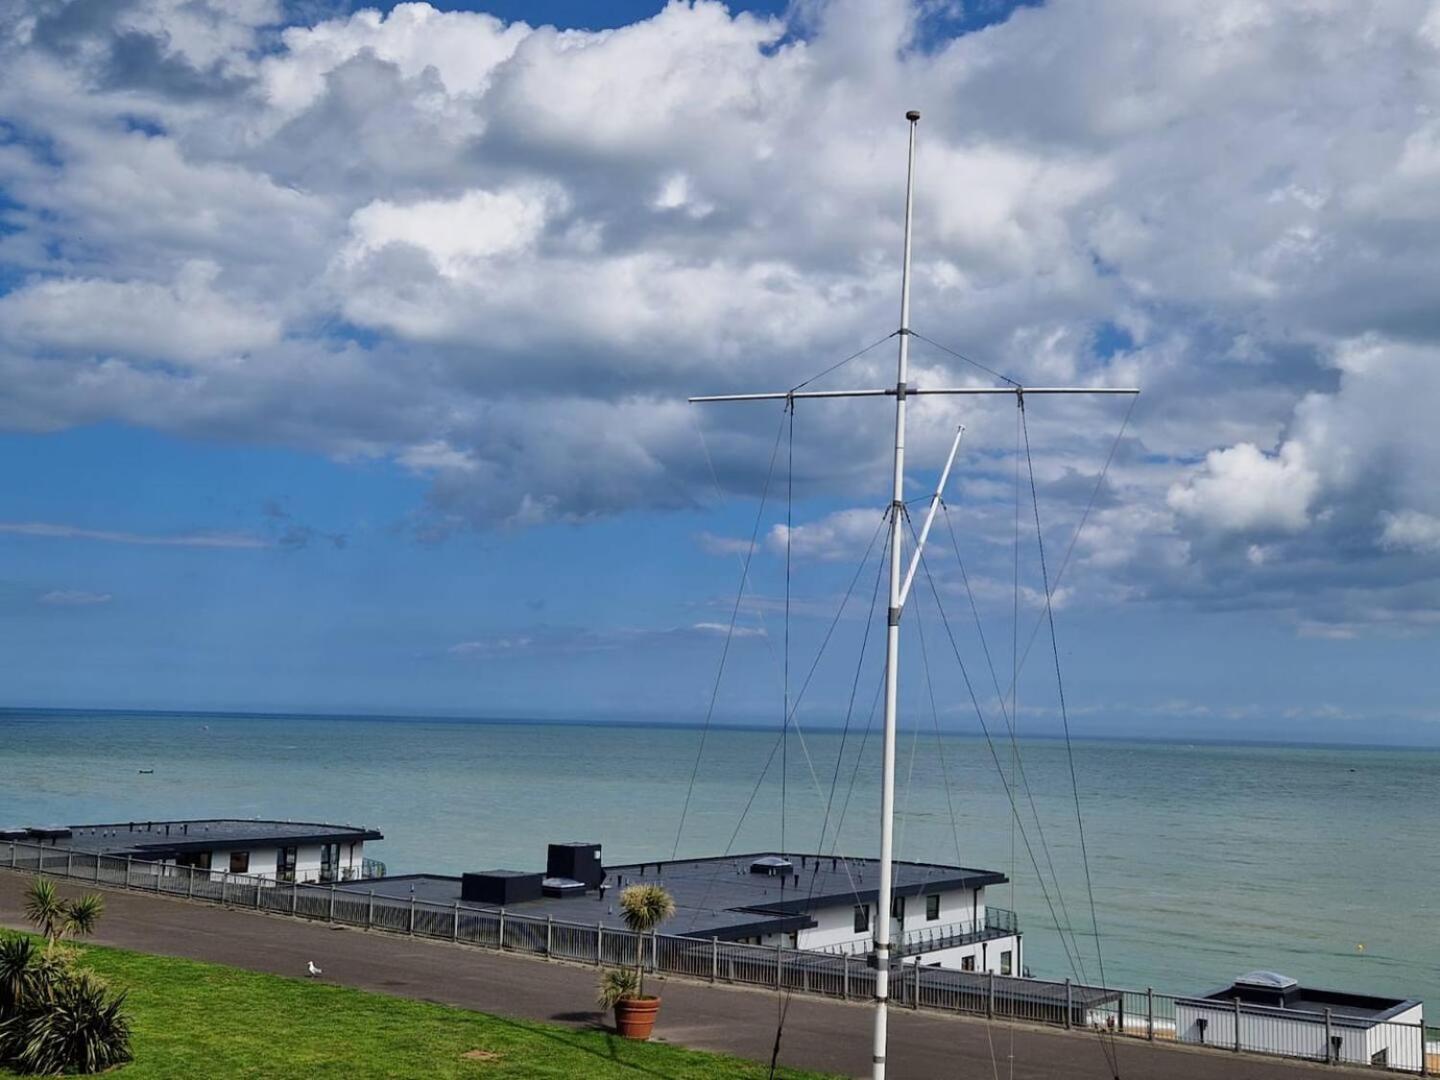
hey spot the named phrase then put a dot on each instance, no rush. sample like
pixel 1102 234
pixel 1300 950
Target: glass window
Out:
pixel 239 862
pixel 285 864
pixel 862 918
pixel 932 907
pixel 967 963
pixel 329 860
pixel 897 908
pixel 198 859
pixel 1005 962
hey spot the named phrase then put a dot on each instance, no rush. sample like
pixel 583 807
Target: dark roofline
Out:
pixel 147 841
pixel 170 847
pixel 970 877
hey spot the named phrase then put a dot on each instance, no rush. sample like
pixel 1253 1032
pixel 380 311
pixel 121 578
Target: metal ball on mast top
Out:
pixel 900 581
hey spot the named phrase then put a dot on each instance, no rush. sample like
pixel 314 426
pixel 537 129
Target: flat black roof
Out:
pixel 717 896
pixel 1362 1009
pixel 159 839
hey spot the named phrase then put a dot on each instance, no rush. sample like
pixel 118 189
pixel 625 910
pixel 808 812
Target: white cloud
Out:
pixel 74 598
pixel 501 255
pixel 1410 530
pixel 49 530
pixel 1243 489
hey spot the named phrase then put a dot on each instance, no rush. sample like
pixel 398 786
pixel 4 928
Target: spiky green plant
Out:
pixel 644 907
pixel 81 1028
pixel 17 972
pixel 57 918
pixel 616 985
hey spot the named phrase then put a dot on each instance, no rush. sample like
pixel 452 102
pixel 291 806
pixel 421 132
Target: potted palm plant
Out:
pixel 644 908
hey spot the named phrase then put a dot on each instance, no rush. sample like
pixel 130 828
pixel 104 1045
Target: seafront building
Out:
pixel 279 851
pixel 820 903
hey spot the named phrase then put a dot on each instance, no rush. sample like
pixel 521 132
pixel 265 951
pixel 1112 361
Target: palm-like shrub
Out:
pixel 57 918
pixel 644 908
pixel 55 1017
pixel 77 1027
pixel 616 985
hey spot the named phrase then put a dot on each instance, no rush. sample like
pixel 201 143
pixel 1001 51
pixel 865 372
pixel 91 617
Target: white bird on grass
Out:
pixel 311 970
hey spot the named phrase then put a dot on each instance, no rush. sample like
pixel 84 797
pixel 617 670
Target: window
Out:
pixel 200 860
pixel 285 864
pixel 967 963
pixel 329 861
pixel 862 918
pixel 1005 962
pixel 897 908
pixel 932 907
pixel 239 862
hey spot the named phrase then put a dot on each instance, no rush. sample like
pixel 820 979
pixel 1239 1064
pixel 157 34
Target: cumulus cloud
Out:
pixel 501 255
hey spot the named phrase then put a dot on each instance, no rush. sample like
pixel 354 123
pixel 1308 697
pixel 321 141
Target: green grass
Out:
pixel 192 1019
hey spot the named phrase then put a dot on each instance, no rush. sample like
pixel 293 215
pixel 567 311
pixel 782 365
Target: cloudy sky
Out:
pixel 344 354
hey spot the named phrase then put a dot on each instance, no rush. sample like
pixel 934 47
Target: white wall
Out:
pixel 1269 1030
pixel 263 861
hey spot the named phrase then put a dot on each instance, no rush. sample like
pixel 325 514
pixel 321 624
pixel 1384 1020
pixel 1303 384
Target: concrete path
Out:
pixel 826 1035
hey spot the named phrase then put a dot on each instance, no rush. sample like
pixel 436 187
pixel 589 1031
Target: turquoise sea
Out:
pixel 1206 860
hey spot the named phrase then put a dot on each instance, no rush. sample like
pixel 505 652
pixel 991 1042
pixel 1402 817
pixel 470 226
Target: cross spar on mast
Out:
pixel 898 589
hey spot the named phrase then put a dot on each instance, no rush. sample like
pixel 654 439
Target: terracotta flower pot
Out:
pixel 635 1017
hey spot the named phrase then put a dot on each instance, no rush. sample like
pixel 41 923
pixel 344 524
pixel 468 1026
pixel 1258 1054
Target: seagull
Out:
pixel 311 970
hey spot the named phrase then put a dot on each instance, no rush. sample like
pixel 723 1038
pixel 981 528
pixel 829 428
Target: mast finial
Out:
pixel 913 115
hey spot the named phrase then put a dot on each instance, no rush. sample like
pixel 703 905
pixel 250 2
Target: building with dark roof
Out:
pixel 1272 1013
pixel 280 851
pixel 815 902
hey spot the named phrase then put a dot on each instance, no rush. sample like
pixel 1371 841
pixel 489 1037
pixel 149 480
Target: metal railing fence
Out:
pixel 1131 1014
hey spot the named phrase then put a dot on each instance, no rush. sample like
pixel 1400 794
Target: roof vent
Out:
pixel 772 866
pixel 562 887
pixel 1266 980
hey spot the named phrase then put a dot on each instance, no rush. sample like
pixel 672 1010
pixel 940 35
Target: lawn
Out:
pixel 202 1020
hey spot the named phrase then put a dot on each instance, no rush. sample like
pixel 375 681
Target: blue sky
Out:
pixel 345 369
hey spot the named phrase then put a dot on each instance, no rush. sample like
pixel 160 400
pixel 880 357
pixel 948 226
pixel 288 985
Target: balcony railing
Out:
pixel 997 923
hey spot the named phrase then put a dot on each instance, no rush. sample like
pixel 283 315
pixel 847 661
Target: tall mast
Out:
pixel 900 584
pixel 892 643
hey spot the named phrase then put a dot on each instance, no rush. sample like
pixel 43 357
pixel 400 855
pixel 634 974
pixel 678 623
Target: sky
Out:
pixel 344 354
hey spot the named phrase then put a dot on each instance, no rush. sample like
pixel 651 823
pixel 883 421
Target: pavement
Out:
pixel 831 1036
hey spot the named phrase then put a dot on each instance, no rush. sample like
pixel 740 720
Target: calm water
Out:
pixel 1206 860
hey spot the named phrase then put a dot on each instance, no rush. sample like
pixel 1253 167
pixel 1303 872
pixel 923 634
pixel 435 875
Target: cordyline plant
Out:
pixel 54 1016
pixel 644 908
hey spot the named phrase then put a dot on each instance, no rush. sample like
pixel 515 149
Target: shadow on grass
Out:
pixel 612 1044
pixel 588 1017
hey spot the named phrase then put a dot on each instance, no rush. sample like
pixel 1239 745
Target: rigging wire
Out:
pixel 1024 776
pixel 837 366
pixel 789 534
pixel 730 630
pixel 962 356
pixel 1064 712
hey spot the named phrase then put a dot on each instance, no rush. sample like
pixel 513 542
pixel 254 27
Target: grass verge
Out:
pixel 193 1019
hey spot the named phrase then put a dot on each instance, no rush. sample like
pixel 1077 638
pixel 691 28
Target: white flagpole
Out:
pixel 892 645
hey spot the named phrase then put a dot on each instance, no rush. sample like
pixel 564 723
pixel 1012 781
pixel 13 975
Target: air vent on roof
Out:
pixel 772 866
pixel 1266 980
pixel 499 887
pixel 562 887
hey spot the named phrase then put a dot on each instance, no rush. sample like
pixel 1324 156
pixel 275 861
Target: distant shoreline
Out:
pixel 22 714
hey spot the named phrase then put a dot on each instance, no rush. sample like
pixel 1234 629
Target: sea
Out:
pixel 1204 860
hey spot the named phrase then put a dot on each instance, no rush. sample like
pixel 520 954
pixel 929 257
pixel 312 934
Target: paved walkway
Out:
pixel 819 1034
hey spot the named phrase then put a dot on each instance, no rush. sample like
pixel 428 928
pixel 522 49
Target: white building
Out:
pixel 279 851
pixel 812 902
pixel 1273 1014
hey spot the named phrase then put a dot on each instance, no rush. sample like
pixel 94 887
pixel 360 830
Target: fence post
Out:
pixel 655 951
pixel 69 863
pixel 779 962
pixel 1120 1011
pixel 1069 1002
pixel 845 977
pixel 916 1003
pixel 294 896
pixel 715 961
pixel 1424 1061
pixel 1329 1046
pixel 1150 1013
pixel 599 943
pixel 990 995
pixel 190 883
pixel 1237 1026
pixel 370 911
pixel 14 849
pixel 129 859
pixel 549 935
pixel 412 914
pixel 98 857
pixel 455 922
pixel 500 938
pixel 256 879
pixel 224 881
pixel 331 912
